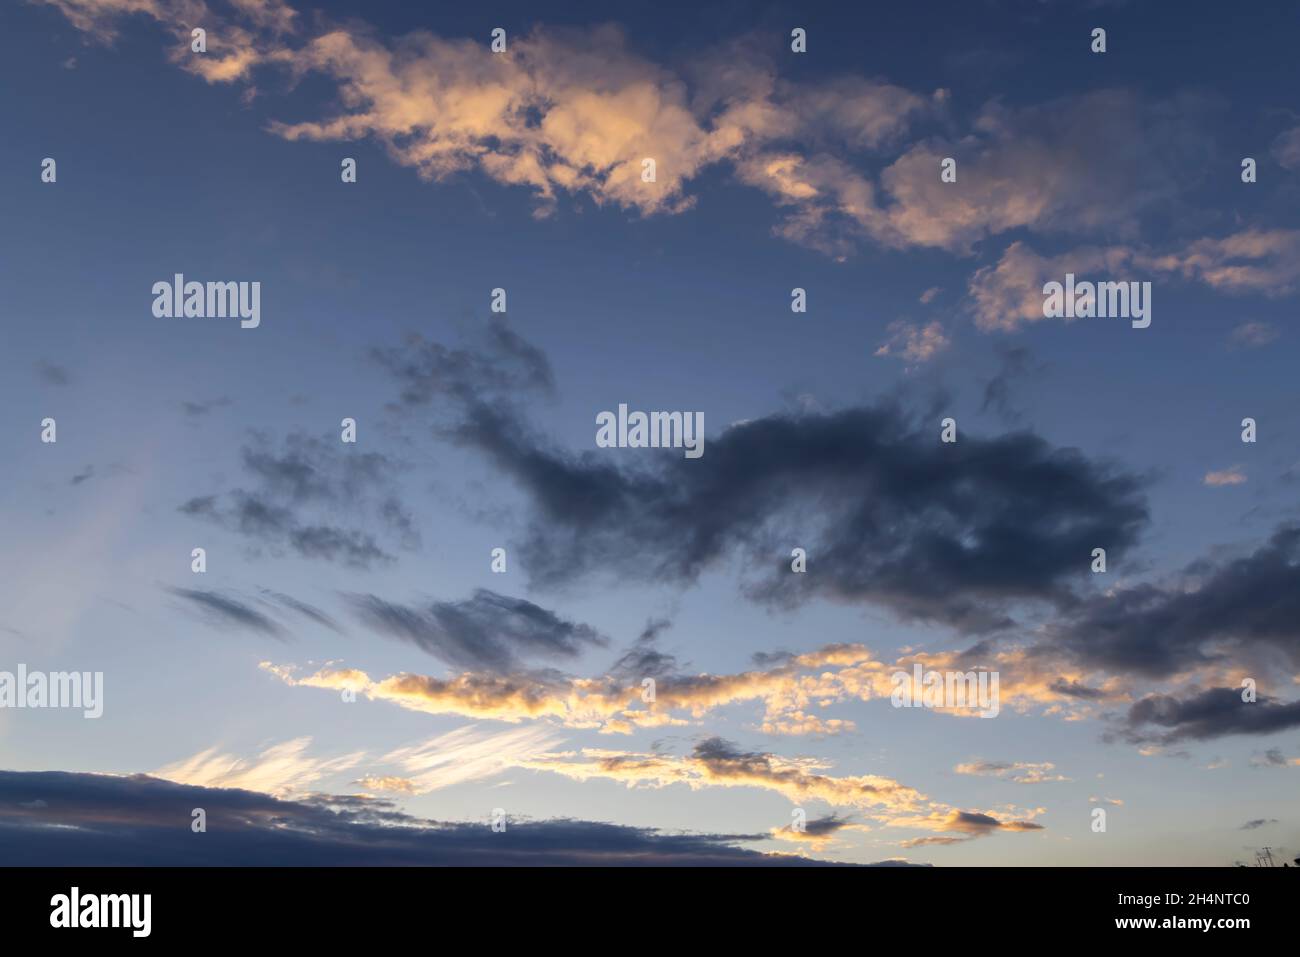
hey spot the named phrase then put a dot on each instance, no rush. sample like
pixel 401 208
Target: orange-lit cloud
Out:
pixel 969 824
pixel 715 763
pixel 577 111
pixel 1021 772
pixel 1258 261
pixel 790 692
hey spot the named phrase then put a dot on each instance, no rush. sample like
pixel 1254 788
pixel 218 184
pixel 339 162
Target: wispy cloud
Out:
pixel 222 609
pixel 296 490
pixel 281 769
pixel 460 756
pixel 487 631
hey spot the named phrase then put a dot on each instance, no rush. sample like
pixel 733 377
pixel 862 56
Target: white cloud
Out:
pixel 280 769
pixel 466 754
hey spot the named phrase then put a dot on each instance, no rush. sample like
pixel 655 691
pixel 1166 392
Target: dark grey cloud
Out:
pixel 1214 713
pixel 254 614
pixel 771 659
pixel 304 469
pixel 825 826
pixel 644 659
pixel 64 819
pixel 887 513
pixel 1015 362
pixel 298 488
pixel 486 632
pixel 202 407
pixel 504 364
pixel 1075 689
pixel 226 610
pixel 1257 823
pixel 310 612
pixel 1272 758
pixel 52 374
pixel 1244 610
pixel 977 821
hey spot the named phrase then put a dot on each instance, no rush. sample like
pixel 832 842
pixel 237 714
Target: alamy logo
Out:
pixel 653 430
pixel 947 689
pixel 57 689
pixel 1104 300
pixel 103 910
pixel 212 300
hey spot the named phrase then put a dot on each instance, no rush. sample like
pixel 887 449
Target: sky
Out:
pixel 503 270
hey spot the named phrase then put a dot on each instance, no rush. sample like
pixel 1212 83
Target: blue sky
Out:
pixel 776 170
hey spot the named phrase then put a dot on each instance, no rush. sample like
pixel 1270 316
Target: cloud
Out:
pixel 933 841
pixel 790 689
pixel 223 609
pixel 1041 167
pixel 460 756
pixel 1014 364
pixel 84 475
pixel 937 532
pixel 1272 758
pixel 1075 689
pixel 1244 612
pixel 52 374
pixel 281 769
pixel 63 819
pixel 310 612
pixel 388 782
pixel 1286 148
pixel 1257 823
pixel 717 763
pixel 914 343
pixel 889 515
pixel 298 487
pixel 819 832
pixel 98 17
pixel 1254 334
pixel 1256 260
pixel 511 698
pixel 1213 713
pixel 575 111
pixel 972 824
pixel 644 659
pixel 1021 772
pixel 1235 475
pixel 488 631
pixel 503 363
pixel 1033 167
pixel 197 409
pixel 1252 261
